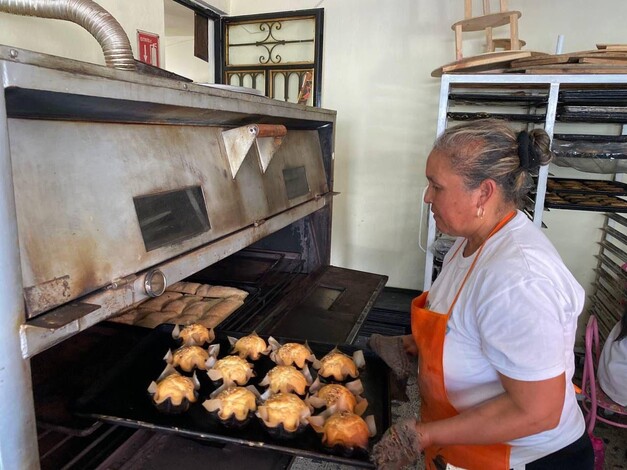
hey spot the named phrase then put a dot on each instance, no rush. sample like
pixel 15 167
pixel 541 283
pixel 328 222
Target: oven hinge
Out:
pixel 121 282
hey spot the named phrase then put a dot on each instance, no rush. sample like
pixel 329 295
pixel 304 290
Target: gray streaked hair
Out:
pixel 488 148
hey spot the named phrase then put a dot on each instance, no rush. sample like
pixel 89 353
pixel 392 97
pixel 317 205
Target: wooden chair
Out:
pixel 487 22
pixel 594 397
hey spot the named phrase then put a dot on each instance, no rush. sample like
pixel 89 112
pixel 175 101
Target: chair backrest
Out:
pixel 588 383
pixel 486 7
pixel 591 359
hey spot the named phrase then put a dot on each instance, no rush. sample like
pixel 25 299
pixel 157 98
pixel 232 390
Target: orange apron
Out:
pixel 428 330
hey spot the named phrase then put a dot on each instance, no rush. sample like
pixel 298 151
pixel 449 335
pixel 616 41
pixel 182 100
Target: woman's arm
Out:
pixel 524 409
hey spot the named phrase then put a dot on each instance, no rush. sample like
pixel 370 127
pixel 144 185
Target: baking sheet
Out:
pixel 121 397
pixel 586 186
pixel 585 202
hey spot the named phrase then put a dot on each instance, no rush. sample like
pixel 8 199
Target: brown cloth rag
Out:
pixel 391 350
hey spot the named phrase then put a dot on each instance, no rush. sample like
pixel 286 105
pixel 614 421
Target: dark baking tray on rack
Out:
pixel 121 397
pixel 585 202
pixel 586 186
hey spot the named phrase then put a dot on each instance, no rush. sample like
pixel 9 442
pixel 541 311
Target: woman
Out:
pixel 612 371
pixel 495 334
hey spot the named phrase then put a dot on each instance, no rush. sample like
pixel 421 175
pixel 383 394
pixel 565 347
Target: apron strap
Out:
pixel 498 227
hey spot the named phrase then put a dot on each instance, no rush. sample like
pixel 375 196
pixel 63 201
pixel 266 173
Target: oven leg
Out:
pixel 18 433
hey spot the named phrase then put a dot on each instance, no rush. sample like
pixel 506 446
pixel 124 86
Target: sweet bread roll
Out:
pixel 286 379
pixel 193 334
pixel 189 358
pixel 284 409
pixel 251 346
pixel 175 387
pixel 347 430
pixel 233 402
pixel 231 370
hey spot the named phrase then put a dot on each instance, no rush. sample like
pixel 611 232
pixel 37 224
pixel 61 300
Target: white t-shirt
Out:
pixel 612 371
pixel 517 315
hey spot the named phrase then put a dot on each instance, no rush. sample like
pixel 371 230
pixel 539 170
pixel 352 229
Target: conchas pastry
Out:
pixel 284 415
pixel 344 431
pixel 233 406
pixel 188 358
pixel 338 366
pixel 336 397
pixel 194 334
pixel 286 379
pixel 290 353
pixel 250 347
pixel 231 370
pixel 172 392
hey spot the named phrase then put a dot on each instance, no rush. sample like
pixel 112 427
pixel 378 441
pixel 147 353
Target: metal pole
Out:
pixel 431 231
pixel 18 432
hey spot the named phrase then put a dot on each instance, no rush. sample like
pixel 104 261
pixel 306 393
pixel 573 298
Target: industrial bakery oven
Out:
pixel 116 185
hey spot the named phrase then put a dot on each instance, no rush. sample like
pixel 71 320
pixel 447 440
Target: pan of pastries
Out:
pixel 217 391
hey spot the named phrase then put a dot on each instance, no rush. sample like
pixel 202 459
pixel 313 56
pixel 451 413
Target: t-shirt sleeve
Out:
pixel 521 330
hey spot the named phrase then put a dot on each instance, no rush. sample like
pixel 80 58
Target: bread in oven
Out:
pixel 291 354
pixel 233 403
pixel 337 397
pixel 232 370
pixel 193 334
pixel 286 411
pixel 287 379
pixel 251 346
pixel 346 430
pixel 188 358
pixel 172 392
pixel 338 366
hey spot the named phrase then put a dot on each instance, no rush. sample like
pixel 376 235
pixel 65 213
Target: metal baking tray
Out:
pixel 586 186
pixel 121 397
pixel 599 203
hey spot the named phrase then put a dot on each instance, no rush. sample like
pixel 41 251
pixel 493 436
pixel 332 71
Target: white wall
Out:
pixel 378 57
pixel 179 58
pixel 66 39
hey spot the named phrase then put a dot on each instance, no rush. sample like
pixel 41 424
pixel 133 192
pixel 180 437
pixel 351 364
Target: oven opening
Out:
pixel 292 292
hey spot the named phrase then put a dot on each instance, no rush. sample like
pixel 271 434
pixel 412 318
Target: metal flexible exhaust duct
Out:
pixel 88 14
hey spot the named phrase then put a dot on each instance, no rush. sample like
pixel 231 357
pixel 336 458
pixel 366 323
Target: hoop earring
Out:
pixel 480 212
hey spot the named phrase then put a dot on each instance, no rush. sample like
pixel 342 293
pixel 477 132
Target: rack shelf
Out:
pixel 529 101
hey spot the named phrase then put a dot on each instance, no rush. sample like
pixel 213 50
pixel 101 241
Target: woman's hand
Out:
pixel 401 445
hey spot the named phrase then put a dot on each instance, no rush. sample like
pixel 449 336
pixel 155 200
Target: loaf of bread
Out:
pixel 216 314
pixel 179 305
pixel 184 287
pixel 157 303
pixel 155 319
pixel 224 292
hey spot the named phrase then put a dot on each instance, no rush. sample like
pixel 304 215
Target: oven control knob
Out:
pixel 155 283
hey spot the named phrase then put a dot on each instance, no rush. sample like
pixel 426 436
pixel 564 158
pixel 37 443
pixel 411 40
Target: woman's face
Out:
pixel 454 207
